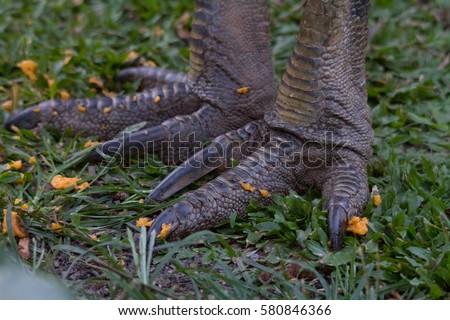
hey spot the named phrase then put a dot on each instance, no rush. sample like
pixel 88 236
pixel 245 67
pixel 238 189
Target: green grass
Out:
pixel 278 252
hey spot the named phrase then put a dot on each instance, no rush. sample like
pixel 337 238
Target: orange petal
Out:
pixel 246 186
pixel 165 228
pixel 13 165
pixel 82 186
pixel 376 200
pixel 64 95
pixel 17 224
pixel 242 90
pixel 144 222
pixel 56 227
pixel 96 81
pixel 59 182
pixel 358 226
pixel 264 193
pixel 8 105
pixel 90 143
pixel 29 68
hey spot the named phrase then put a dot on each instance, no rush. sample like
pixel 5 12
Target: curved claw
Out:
pixel 337 224
pixel 169 219
pixel 27 119
pixel 147 140
pixel 232 146
pixel 102 116
pixel 174 140
pixel 193 169
pixel 345 190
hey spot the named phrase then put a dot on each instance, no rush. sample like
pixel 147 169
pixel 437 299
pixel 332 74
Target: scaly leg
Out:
pixel 319 132
pixel 230 83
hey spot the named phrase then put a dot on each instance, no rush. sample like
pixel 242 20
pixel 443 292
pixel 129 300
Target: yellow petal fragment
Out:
pixel 82 108
pixel 376 200
pixel 358 226
pixel 264 193
pixel 150 63
pixel 21 179
pixel 50 81
pixel 16 138
pixel 17 224
pixel 15 129
pixel 68 57
pixel 7 105
pixel 56 227
pixel 144 222
pixel 109 94
pixel 107 110
pixel 28 67
pixel 131 56
pixel 376 196
pixel 24 207
pixel 37 110
pixel 165 228
pixel 64 95
pixel 141 201
pixel 32 160
pixel 17 201
pixel 96 81
pixel 90 143
pixel 82 186
pixel 158 31
pixel 13 165
pixel 246 186
pixel 242 90
pixel 59 182
pixel 93 237
pixel 156 99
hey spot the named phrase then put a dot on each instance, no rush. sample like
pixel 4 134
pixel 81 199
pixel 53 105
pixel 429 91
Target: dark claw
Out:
pixel 175 216
pixel 167 217
pixel 26 119
pixel 217 155
pixel 194 168
pixel 132 144
pixel 337 224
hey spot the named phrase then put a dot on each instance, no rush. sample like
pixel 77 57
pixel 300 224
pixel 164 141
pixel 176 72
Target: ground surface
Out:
pixel 279 251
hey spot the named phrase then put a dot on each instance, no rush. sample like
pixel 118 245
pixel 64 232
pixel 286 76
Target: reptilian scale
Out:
pixel 315 132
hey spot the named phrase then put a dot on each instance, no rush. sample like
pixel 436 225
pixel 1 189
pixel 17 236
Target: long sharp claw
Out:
pixel 178 137
pixel 191 170
pixel 337 223
pixel 27 119
pixel 233 145
pixel 148 140
pixel 169 224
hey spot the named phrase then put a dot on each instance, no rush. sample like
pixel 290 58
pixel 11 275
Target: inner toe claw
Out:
pixel 337 224
pixel 165 225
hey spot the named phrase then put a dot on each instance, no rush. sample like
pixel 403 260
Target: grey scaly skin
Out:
pixel 317 135
pixel 229 49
